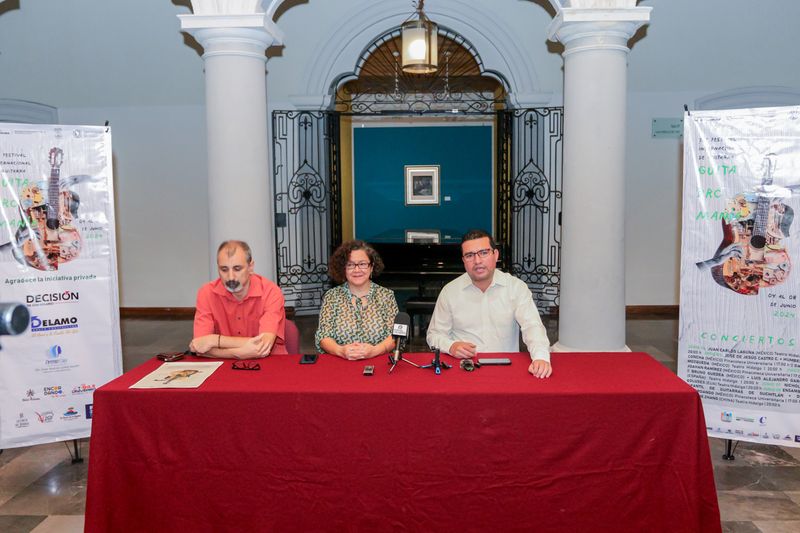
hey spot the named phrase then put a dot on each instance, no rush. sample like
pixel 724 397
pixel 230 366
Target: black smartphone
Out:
pixel 308 358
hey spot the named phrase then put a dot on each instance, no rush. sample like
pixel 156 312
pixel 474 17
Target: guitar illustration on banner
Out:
pixel 752 254
pixel 48 238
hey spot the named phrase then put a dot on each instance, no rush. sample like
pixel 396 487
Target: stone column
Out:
pixel 239 176
pixel 592 307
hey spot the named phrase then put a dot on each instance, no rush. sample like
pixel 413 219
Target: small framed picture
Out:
pixel 422 184
pixel 422 236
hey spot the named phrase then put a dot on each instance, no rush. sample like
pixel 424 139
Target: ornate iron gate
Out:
pixel 307 203
pixel 529 174
pixel 308 200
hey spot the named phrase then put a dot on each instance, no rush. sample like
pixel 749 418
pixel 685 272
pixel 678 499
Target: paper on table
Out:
pixel 177 376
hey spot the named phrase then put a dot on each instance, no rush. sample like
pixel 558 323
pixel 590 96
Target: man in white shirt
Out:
pixel 484 309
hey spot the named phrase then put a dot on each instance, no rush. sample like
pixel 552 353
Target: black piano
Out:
pixel 418 261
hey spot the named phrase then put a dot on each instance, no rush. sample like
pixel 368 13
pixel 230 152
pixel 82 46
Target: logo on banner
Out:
pixel 51 298
pixel 70 414
pixel 30 396
pixel 89 410
pixel 21 422
pixel 727 416
pixel 54 356
pixel 53 324
pixel 44 417
pixel 54 361
pixel 55 391
pixel 82 389
pixel 762 420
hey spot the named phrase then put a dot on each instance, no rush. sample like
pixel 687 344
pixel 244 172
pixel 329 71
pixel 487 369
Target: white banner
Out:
pixel 739 318
pixel 58 257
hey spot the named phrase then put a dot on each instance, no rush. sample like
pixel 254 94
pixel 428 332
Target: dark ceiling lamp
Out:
pixel 420 43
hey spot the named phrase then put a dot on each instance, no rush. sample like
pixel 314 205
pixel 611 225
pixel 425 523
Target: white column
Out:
pixel 239 176
pixel 592 307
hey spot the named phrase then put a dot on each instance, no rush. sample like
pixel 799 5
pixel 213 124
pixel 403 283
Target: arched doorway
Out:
pixel 314 163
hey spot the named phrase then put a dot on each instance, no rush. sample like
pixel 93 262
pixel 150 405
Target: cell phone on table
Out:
pixel 308 358
pixel 494 361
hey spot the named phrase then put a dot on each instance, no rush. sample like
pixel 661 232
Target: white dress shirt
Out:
pixel 491 320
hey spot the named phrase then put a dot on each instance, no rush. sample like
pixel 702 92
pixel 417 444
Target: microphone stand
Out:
pixel 437 365
pixel 397 356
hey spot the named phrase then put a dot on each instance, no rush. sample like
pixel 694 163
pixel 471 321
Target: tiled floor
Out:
pixel 42 491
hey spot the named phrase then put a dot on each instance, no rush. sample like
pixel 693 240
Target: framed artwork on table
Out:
pixel 423 236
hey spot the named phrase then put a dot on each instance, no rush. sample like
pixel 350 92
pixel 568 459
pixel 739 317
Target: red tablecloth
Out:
pixel 611 442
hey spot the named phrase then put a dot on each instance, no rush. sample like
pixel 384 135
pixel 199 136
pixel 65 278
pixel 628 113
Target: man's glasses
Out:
pixel 363 265
pixel 483 254
pixel 246 365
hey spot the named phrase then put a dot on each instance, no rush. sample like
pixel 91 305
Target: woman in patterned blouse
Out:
pixel 357 316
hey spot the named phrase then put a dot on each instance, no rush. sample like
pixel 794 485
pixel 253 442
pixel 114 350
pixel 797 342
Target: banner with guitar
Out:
pixel 739 316
pixel 58 257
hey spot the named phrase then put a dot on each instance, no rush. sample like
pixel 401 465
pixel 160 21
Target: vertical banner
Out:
pixel 739 317
pixel 58 257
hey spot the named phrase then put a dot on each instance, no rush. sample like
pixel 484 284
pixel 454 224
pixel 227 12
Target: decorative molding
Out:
pixel 747 97
pixel 226 7
pixel 645 312
pixel 339 50
pixel 170 313
pixel 25 112
pixel 159 313
pixel 632 312
pixel 582 29
pixel 239 34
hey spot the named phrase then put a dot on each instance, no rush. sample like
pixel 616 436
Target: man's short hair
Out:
pixel 473 234
pixel 231 246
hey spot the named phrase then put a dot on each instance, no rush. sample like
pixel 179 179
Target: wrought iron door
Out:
pixel 528 222
pixel 307 203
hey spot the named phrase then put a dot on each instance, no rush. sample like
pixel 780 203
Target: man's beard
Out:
pixel 233 285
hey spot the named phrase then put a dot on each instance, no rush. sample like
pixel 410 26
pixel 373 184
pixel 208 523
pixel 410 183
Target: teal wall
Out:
pixel 464 155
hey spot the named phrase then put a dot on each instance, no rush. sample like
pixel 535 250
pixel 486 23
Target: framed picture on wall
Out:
pixel 422 184
pixel 422 236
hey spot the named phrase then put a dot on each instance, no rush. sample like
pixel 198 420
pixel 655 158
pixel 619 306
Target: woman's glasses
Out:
pixel 363 265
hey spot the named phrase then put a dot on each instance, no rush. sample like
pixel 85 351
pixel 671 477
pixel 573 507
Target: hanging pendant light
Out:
pixel 420 43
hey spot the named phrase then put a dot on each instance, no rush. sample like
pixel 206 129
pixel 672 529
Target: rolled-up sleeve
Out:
pixel 440 329
pixel 534 334
pixel 326 327
pixel 203 316
pixel 273 317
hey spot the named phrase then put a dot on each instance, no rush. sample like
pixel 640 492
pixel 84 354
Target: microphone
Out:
pixel 14 318
pixel 399 333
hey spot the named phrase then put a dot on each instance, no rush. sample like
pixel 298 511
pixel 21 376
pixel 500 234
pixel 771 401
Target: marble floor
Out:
pixel 41 489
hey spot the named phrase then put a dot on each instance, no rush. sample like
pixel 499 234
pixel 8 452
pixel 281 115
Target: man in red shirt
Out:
pixel 241 314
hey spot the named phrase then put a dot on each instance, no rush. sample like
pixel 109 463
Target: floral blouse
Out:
pixel 347 319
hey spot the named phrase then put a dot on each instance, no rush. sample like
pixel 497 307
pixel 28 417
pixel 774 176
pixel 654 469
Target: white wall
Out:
pixel 127 62
pixel 161 191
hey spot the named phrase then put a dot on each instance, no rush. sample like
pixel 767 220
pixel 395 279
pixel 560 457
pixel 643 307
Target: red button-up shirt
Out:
pixel 261 311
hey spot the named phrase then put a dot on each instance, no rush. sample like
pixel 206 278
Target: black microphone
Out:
pixel 399 333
